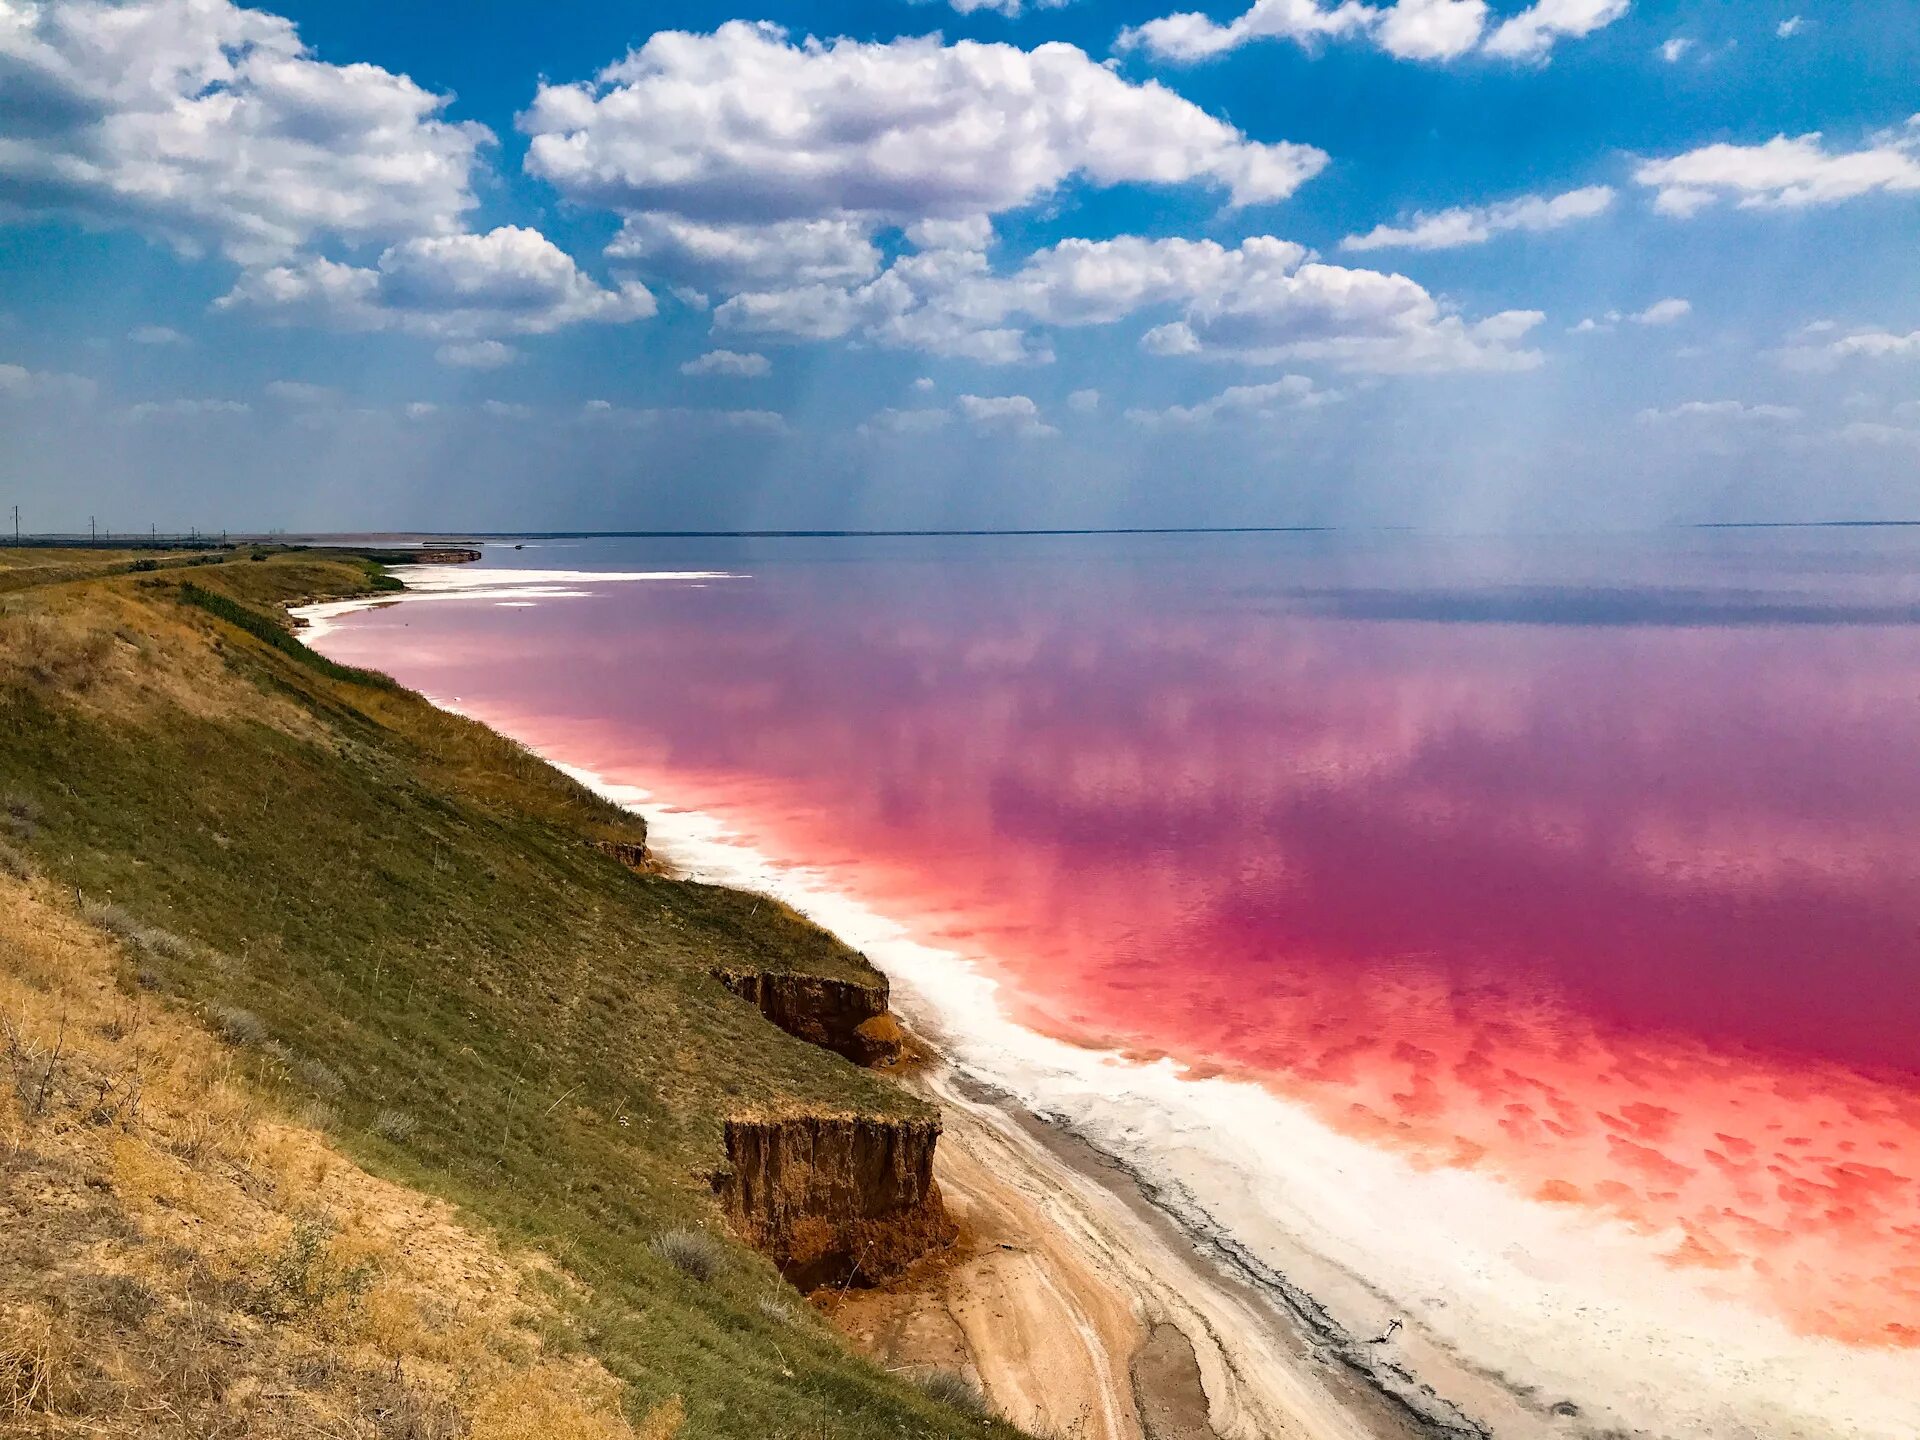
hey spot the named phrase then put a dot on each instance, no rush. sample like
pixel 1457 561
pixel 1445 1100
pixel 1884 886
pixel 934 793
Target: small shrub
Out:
pixel 773 1308
pixel 237 1026
pixel 14 864
pixel 395 1125
pixel 20 815
pixel 320 1078
pixel 318 1115
pixel 124 926
pixel 953 1390
pixel 302 1276
pixel 125 1301
pixel 141 567
pixel 694 1253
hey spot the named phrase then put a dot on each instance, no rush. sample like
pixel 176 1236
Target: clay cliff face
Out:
pixel 835 1200
pixel 839 1015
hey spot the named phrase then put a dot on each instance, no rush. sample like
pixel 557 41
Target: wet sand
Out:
pixel 1082 1311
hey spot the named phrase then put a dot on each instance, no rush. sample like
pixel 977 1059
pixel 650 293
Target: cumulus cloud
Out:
pixel 157 335
pixel 1790 27
pixel 1012 9
pixel 1675 50
pixel 18 383
pixel 1821 347
pixel 1262 300
pixel 605 413
pixel 185 409
pixel 1010 415
pixel 476 355
pixel 744 125
pixel 735 257
pixel 1084 402
pixel 1475 225
pixel 1670 311
pixel 511 280
pixel 1719 412
pixel 1290 393
pixel 1784 173
pixel 1427 30
pixel 919 421
pixel 299 392
pixel 211 126
pixel 1533 33
pixel 729 363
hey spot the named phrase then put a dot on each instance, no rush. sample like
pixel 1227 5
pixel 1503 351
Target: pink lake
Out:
pixel 1591 870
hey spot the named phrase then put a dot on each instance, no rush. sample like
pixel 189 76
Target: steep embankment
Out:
pixel 441 951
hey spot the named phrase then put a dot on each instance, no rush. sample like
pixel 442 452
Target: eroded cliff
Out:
pixel 844 1016
pixel 835 1200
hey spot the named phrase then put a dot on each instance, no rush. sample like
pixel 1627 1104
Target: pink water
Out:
pixel 1594 870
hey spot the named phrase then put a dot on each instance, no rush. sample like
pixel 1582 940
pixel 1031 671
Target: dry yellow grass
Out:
pixel 178 1259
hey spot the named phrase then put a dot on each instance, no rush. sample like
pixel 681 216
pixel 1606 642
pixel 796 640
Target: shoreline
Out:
pixel 1510 1310
pixel 1083 1308
pixel 1078 1304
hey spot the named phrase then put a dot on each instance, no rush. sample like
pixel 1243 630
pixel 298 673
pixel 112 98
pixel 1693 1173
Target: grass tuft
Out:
pixel 237 1026
pixel 954 1390
pixel 395 1125
pixel 694 1253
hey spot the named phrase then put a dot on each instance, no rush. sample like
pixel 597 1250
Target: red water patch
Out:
pixel 1627 917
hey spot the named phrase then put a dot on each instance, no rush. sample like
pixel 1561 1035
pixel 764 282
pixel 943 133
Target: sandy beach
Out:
pixel 1082 1311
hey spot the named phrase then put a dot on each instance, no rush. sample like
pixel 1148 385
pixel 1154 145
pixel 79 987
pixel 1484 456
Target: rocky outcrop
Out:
pixel 844 1016
pixel 630 853
pixel 835 1200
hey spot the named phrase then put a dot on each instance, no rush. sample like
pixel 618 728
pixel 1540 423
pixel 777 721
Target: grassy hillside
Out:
pixel 398 925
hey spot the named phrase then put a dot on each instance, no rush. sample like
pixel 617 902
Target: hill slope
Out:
pixel 409 931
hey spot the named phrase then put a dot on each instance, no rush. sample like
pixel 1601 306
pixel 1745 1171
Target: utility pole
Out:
pixel 93 530
pixel 16 524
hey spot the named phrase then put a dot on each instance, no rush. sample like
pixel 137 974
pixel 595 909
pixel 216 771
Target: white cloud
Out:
pixel 1243 402
pixel 921 421
pixel 212 126
pixel 1411 29
pixel 1532 34
pixel 1812 349
pixel 735 257
pixel 1663 312
pixel 420 409
pixel 1012 415
pixel 19 383
pixel 729 363
pixel 1462 225
pixel 299 392
pixel 1260 301
pixel 743 125
pixel 185 409
pixel 508 281
pixel 1736 412
pixel 1784 172
pixel 1084 402
pixel 601 412
pixel 1674 50
pixel 1012 9
pixel 507 410
pixel 1790 27
pixel 157 335
pixel 1874 432
pixel 476 355
pixel 924 384
pixel 1431 29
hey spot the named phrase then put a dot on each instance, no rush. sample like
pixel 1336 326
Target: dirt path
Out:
pixel 1081 1316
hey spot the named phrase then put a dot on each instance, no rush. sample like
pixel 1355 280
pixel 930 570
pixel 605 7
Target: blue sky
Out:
pixel 1446 263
